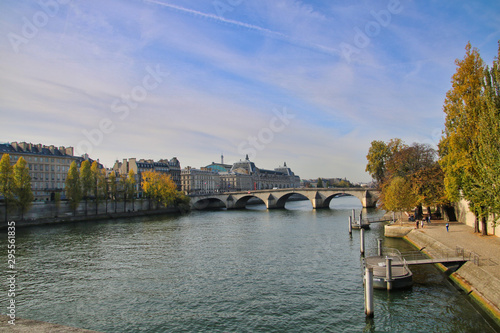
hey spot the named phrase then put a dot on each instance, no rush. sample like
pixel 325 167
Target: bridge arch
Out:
pixel 277 198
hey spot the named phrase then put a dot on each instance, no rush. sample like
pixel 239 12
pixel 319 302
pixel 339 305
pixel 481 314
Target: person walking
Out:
pixel 447 226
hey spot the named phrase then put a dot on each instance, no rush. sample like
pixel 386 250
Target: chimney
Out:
pixel 69 151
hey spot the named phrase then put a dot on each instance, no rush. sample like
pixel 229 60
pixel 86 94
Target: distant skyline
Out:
pixel 309 83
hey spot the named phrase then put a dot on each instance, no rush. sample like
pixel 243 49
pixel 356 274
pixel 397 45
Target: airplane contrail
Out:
pixel 270 33
pixel 218 18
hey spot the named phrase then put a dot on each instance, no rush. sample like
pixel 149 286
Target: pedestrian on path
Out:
pixel 447 226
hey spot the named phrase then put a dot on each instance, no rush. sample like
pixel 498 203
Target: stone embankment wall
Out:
pixel 464 215
pixel 481 285
pixel 49 212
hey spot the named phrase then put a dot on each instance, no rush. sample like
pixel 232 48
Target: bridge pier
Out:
pixel 276 198
pixel 368 201
pixel 319 201
pixel 272 202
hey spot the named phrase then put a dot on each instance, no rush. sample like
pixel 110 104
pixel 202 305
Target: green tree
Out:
pixel 487 155
pixel 399 195
pixel 85 181
pixel 6 182
pixel 378 156
pixel 320 183
pixel 343 183
pixel 464 107
pixel 378 153
pixel 22 186
pixel 73 188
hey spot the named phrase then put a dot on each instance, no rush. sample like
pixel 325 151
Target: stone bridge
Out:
pixel 276 199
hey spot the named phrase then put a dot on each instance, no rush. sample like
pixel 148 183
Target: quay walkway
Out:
pixel 485 249
pixel 480 276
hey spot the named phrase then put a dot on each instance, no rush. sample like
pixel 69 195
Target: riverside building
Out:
pixel 48 166
pixel 240 176
pixel 170 167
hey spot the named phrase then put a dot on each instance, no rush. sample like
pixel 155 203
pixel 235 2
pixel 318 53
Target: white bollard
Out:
pixel 369 291
pixel 379 247
pixel 350 225
pixel 388 272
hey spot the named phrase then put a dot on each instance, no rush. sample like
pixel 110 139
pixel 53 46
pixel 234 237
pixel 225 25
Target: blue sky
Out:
pixel 309 83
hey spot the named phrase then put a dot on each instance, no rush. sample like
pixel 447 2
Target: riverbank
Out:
pixel 90 217
pixel 480 279
pixel 30 326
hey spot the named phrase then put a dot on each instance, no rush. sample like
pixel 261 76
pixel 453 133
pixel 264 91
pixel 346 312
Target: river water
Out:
pixel 293 270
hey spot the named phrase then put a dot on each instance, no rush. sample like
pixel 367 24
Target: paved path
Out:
pixel 487 247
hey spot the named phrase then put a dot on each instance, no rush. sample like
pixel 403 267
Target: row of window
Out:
pixel 41 167
pixel 37 175
pixel 42 185
pixel 43 159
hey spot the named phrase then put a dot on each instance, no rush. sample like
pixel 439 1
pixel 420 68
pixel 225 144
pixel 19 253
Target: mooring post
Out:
pixel 362 241
pixel 369 291
pixel 388 272
pixel 350 225
pixel 354 215
pixel 379 247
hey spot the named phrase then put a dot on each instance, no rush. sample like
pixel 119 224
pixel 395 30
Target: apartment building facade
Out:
pixel 48 166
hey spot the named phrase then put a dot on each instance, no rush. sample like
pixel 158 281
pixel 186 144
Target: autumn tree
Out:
pixel 6 182
pixel 131 188
pixel 113 187
pixel 150 185
pixel 122 187
pixel 96 184
pixel 160 188
pixel 22 186
pixel 379 154
pixel 395 164
pixel 399 195
pixel 465 139
pixel 85 181
pixel 487 154
pixel 73 188
pixel 168 190
pixel 103 184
